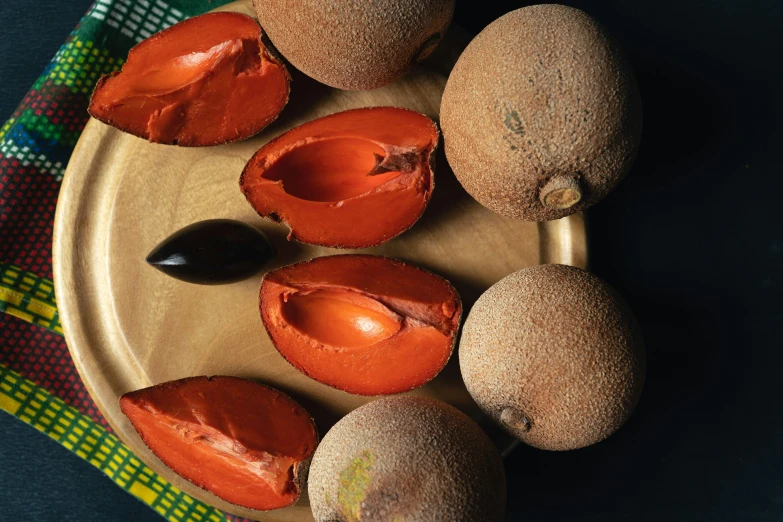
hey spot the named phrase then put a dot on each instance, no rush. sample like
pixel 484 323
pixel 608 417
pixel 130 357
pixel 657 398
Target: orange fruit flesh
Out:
pixel 364 324
pixel 235 438
pixel 338 318
pixel 322 171
pixel 353 179
pixel 204 81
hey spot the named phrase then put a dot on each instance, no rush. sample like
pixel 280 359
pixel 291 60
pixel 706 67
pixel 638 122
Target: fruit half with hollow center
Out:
pixel 247 443
pixel 368 325
pixel 204 81
pixel 353 179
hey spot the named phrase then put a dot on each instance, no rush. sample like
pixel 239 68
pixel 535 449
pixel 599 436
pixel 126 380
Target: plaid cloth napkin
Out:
pixel 38 381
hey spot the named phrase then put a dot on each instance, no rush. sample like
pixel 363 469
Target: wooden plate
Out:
pixel 128 326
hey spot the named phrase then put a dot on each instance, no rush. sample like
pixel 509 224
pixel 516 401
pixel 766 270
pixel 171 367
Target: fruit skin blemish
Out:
pixel 407 458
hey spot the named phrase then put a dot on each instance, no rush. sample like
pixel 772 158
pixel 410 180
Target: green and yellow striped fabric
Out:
pixel 29 297
pixel 35 145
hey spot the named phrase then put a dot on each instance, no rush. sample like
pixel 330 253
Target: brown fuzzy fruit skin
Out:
pixel 541 92
pixel 354 45
pixel 407 458
pixel 554 355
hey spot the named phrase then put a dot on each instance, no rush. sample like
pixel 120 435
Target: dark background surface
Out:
pixel 692 238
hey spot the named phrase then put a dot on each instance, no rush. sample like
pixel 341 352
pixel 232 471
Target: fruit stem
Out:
pixel 515 419
pixel 561 192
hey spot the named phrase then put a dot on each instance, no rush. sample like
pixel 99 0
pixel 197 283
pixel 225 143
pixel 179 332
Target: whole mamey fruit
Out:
pixel 554 355
pixel 406 459
pixel 541 115
pixel 355 45
pixel 245 442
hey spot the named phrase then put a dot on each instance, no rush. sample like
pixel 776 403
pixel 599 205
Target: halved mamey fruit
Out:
pixel 367 325
pixel 204 81
pixel 353 179
pixel 247 443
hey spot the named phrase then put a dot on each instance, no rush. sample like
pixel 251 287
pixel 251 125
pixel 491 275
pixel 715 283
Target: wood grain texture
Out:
pixel 129 326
